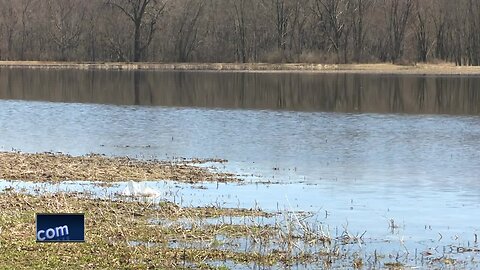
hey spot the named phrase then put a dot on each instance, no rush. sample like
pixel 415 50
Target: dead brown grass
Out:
pixel 52 167
pixel 380 68
pixel 110 226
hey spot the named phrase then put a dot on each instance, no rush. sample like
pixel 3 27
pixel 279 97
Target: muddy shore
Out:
pixel 382 68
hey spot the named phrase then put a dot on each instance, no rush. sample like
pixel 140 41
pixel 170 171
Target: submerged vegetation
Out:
pixel 133 234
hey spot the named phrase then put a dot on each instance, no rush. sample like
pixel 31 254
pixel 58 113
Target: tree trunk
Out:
pixel 136 43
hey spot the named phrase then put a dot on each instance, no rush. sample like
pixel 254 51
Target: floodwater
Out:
pixel 358 150
pixel 242 90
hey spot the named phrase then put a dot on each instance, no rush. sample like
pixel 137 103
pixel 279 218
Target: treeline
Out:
pixel 325 31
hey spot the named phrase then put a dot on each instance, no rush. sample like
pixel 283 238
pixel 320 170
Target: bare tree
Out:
pixel 332 15
pixel 298 22
pixel 358 12
pixel 187 32
pixel 144 15
pixel 9 24
pixel 283 14
pixel 441 30
pixel 473 46
pixel 66 20
pixel 240 8
pixel 218 25
pixel 93 30
pixel 25 8
pixel 398 15
pixel 458 36
pixel 422 35
pixel 114 45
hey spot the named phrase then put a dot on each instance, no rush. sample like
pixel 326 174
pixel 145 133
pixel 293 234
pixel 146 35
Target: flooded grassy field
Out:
pixel 340 170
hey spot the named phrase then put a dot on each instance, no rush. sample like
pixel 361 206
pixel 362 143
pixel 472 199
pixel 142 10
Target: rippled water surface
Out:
pixel 355 149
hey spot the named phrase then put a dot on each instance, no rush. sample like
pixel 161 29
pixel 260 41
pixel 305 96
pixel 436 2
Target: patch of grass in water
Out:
pixel 111 226
pixel 394 265
pixel 121 235
pixel 55 167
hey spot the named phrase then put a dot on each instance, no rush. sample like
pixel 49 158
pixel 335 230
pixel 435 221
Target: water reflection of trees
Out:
pixel 291 91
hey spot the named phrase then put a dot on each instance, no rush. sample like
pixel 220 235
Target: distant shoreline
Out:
pixel 382 68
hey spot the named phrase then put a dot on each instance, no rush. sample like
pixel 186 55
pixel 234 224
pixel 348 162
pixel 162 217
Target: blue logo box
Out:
pixel 60 227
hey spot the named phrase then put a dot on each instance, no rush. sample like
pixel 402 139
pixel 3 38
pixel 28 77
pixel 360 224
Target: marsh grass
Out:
pixel 110 225
pixel 55 167
pixel 139 233
pixel 308 66
pixel 142 234
pixel 121 234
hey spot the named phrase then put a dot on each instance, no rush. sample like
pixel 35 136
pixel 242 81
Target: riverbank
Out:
pixel 54 167
pixel 382 68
